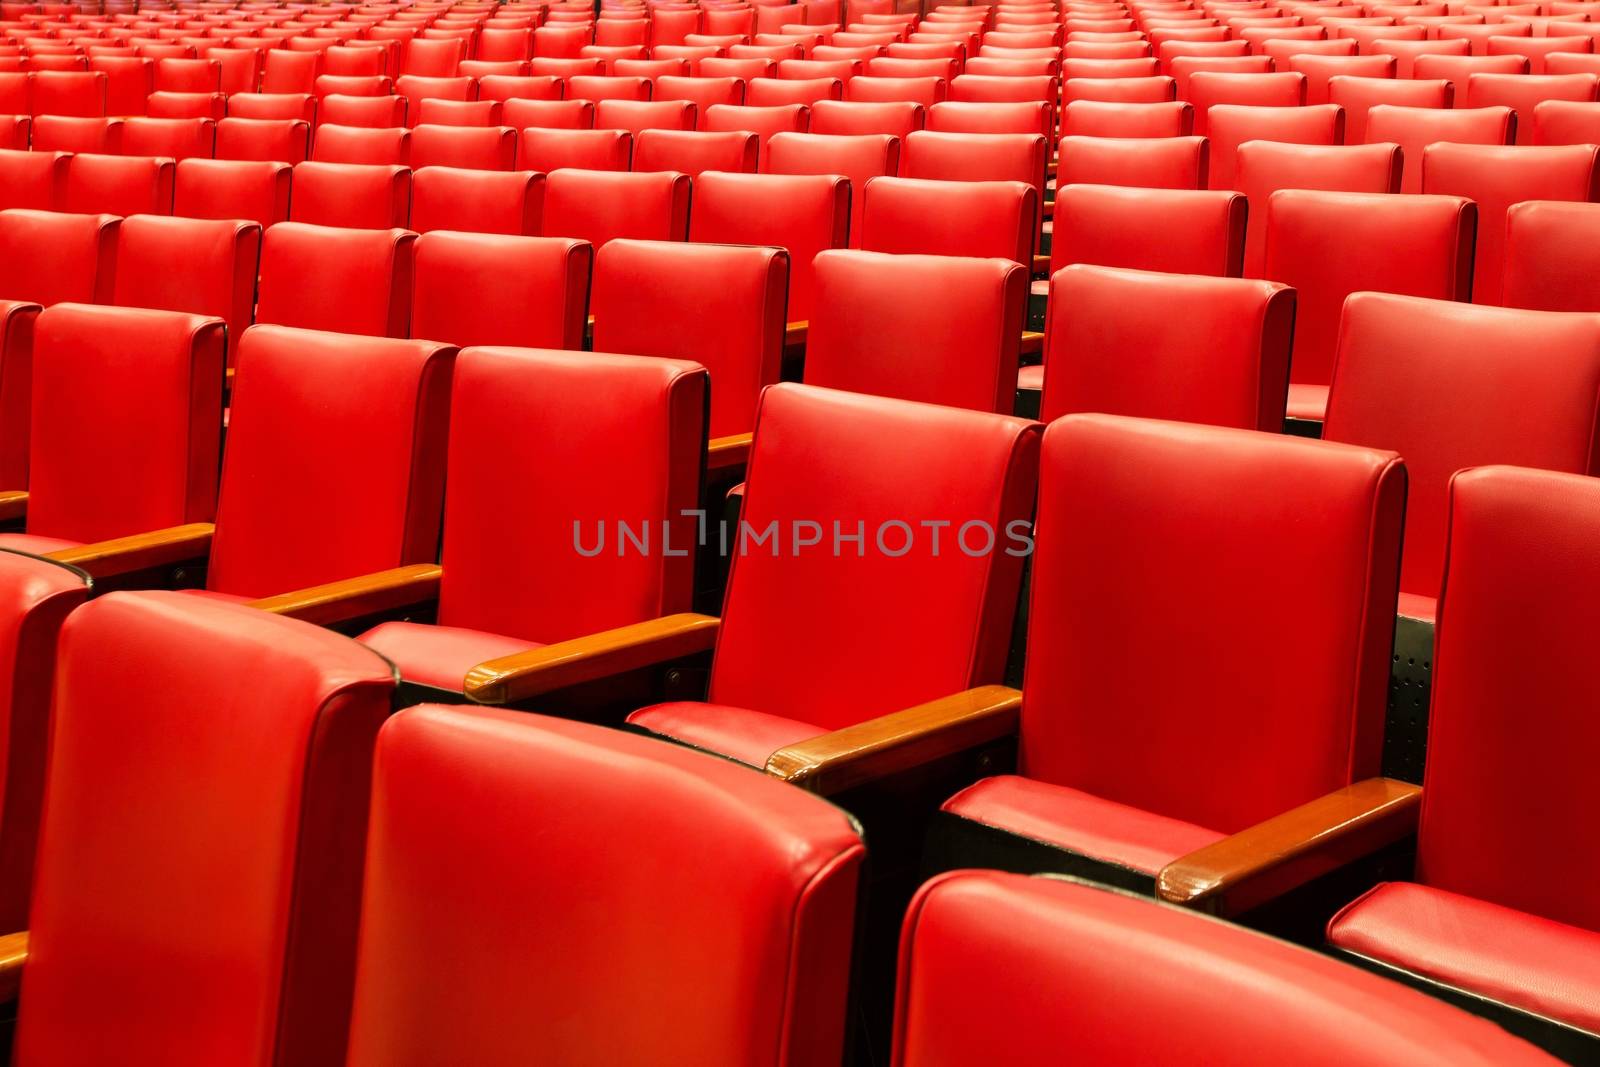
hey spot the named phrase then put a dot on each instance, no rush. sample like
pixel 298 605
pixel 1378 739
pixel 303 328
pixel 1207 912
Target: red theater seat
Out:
pixel 761 121
pixel 897 118
pixel 232 189
pixel 436 112
pixel 174 138
pixel 211 106
pixel 1495 178
pixel 1180 231
pixel 1523 93
pixel 361 145
pixel 54 257
pixel 63 133
pixel 803 214
pixel 923 625
pixel 691 152
pixel 351 194
pixel 251 909
pixel 549 114
pixel 1146 162
pixel 301 106
pixel 1558 122
pixel 493 289
pixel 282 140
pixel 477 201
pixel 1123 90
pixel 857 158
pixel 773 92
pixel 1329 245
pixel 1210 88
pixel 1101 796
pixel 1475 924
pixel 332 278
pixel 981 949
pixel 1321 70
pixel 471 147
pixel 75 93
pixel 362 112
pixel 870 333
pixel 723 306
pixel 1550 256
pixel 32 179
pixel 924 91
pixel 1218 353
pixel 1358 96
pixel 1415 128
pixel 636 115
pixel 977 157
pixel 516 413
pixel 1232 125
pixel 1427 377
pixel 1098 118
pixel 548 150
pixel 978 219
pixel 198 266
pixel 597 206
pixel 1264 167
pixel 769 988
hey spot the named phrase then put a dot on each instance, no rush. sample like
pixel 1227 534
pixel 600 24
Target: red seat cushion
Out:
pixel 438 655
pixel 739 733
pixel 1518 959
pixel 1079 822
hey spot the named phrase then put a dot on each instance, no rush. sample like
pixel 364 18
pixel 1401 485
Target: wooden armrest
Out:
pixel 730 451
pixel 795 335
pixel 355 597
pixel 586 659
pixel 13 505
pixel 157 548
pixel 1032 343
pixel 1269 859
pixel 832 763
pixel 13 955
pixel 1041 264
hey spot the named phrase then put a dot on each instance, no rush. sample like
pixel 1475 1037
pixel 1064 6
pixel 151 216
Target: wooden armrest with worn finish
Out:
pixel 730 451
pixel 795 335
pixel 13 505
pixel 1270 858
pixel 1032 343
pixel 586 659
pixel 13 954
pixel 1041 264
pixel 122 555
pixel 355 597
pixel 832 763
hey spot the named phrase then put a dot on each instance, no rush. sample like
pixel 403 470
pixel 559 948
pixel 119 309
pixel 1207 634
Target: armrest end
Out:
pixel 1269 859
pixel 831 763
pixel 730 451
pixel 13 955
pixel 586 659
pixel 13 505
pixel 124 555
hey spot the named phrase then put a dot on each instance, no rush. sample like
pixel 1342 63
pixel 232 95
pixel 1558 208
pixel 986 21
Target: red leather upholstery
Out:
pixel 129 80
pixel 598 206
pixel 924 91
pixel 1550 256
pixel 1459 70
pixel 1329 245
pixel 553 149
pixel 1449 386
pixel 1264 167
pixel 691 152
pixel 1500 910
pixel 1009 969
pixel 982 219
pixel 636 115
pixel 284 140
pixel 490 289
pixel 361 145
pixel 288 515
pixel 475 147
pixel 1145 162
pixel 35 598
pixel 201 266
pixel 1321 70
pixel 364 196
pixel 32 179
pixel 1231 125
pixel 232 189
pixel 1524 92
pixel 922 624
pixel 873 331
pixel 1495 178
pixel 68 133
pixel 977 157
pixel 330 278
pixel 1210 88
pixel 804 214
pixel 600 87
pixel 771 92
pixel 477 201
pixel 1558 122
pixel 1127 90
pixel 178 138
pixel 858 158
pixel 416 88
pixel 17 319
pixel 1217 353
pixel 767 988
pixel 362 112
pixel 1098 118
pixel 1415 128
pixel 1285 717
pixel 1510 956
pixel 1183 68
pixel 761 121
pixel 245 901
pixel 554 115
pixel 1181 231
pixel 61 92
pixel 1358 96
pixel 479 113
pixel 118 185
pixel 1537 48
pixel 897 118
pixel 540 420
pixel 723 306
pixel 53 257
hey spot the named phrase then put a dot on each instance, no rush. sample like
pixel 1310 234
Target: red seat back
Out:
pixel 491 289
